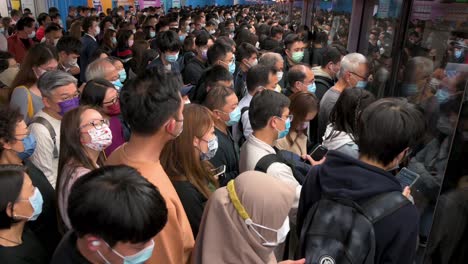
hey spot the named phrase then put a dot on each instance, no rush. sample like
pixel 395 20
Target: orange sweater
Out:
pixel 174 244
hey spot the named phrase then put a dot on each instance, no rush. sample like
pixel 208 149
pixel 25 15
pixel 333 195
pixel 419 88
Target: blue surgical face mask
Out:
pixel 458 53
pixel 137 258
pixel 172 58
pixel 311 87
pixel 29 144
pixel 442 96
pixel 117 84
pixel 152 34
pixel 287 126
pixel 36 202
pixel 182 38
pixel 122 75
pixel 361 84
pixel 232 67
pixel 212 148
pixel 234 117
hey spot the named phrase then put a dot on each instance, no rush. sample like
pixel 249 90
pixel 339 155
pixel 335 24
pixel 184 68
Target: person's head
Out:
pixel 301 78
pixel 76 29
pixel 222 55
pixel 331 61
pixel 68 49
pixel 261 76
pixel 247 55
pixel 20 200
pixel 39 59
pixel 195 145
pixel 9 67
pixel 95 216
pixel 125 39
pixel 218 76
pixel 169 45
pixel 304 108
pixel 203 42
pixel 222 101
pixel 91 26
pixel 275 60
pixel 103 69
pixel 53 33
pixel 269 112
pixel 344 116
pixel 15 14
pixel 276 33
pixel 387 143
pixel 26 25
pixel 354 70
pixel 101 93
pixel 43 19
pixel 14 135
pixel 294 48
pixel 59 92
pixel 151 104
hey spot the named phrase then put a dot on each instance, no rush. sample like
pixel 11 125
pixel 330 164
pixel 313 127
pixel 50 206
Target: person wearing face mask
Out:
pixel 26 94
pixel 140 214
pixel 223 55
pixel 253 222
pixel 59 95
pixel 193 176
pixel 20 42
pixel 17 144
pixel 125 40
pixel 353 72
pixel 169 46
pixel 89 44
pixel 275 60
pixel 9 68
pixel 304 108
pixel 21 202
pixel 247 55
pixel 85 134
pixel 300 78
pixel 101 93
pixel 152 106
pixel 294 51
pixel 326 73
pixel 459 52
pixel 195 67
pixel 214 76
pixel 53 33
pixel 104 69
pixel 382 146
pixel 223 102
pixel 68 49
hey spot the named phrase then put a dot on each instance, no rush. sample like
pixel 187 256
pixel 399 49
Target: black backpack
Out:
pixel 241 127
pixel 340 231
pixel 297 165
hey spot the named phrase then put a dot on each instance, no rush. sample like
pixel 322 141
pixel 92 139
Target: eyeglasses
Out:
pixel 113 100
pixel 77 94
pixel 98 123
pixel 362 77
pixel 289 118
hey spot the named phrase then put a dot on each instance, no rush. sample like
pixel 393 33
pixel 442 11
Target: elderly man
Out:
pixel 104 69
pixel 59 95
pixel 300 78
pixel 275 60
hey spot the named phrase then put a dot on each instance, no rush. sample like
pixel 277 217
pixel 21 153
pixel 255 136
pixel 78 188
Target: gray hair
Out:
pixel 52 80
pixel 270 59
pixel 351 62
pixel 97 69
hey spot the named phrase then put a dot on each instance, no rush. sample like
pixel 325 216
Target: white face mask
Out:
pixel 279 75
pixel 281 233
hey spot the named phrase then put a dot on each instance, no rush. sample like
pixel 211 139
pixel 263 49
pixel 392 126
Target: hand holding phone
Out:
pixel 318 153
pixel 219 171
pixel 407 177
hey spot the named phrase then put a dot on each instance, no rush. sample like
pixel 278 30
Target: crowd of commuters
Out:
pixel 139 136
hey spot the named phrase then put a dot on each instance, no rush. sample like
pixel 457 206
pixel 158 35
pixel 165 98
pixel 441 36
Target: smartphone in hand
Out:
pixel 217 172
pixel 318 153
pixel 407 177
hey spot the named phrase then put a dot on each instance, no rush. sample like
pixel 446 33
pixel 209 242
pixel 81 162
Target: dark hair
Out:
pixel 215 74
pixel 53 10
pixel 24 22
pixel 42 17
pixel 216 97
pixel 168 41
pixel 11 184
pixel 69 45
pixel 387 127
pixel 87 23
pixel 122 39
pixel 265 105
pixel 52 27
pixel 296 74
pixel 9 118
pixel 4 57
pixel 276 30
pixel 202 39
pixel 345 114
pixel 302 103
pixel 94 92
pixel 290 39
pixel 332 54
pixel 116 203
pixel 258 75
pixel 36 56
pixel 245 51
pixel 148 101
pixel 217 52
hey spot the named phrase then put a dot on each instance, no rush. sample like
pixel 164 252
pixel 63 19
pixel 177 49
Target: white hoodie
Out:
pixel 340 141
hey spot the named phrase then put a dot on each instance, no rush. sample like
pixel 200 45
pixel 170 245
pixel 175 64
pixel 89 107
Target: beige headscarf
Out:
pixel 225 238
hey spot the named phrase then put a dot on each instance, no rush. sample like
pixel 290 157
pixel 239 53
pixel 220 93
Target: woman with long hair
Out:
pixel 76 30
pixel 26 95
pixel 304 108
pixel 85 134
pixel 125 40
pixel 109 41
pixel 185 160
pixel 138 50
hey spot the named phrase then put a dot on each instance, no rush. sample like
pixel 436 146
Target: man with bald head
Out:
pixel 300 78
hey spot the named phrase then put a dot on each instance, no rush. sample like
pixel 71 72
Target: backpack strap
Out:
pixel 383 205
pixel 240 125
pixel 321 81
pixel 264 163
pixel 30 111
pixel 48 126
